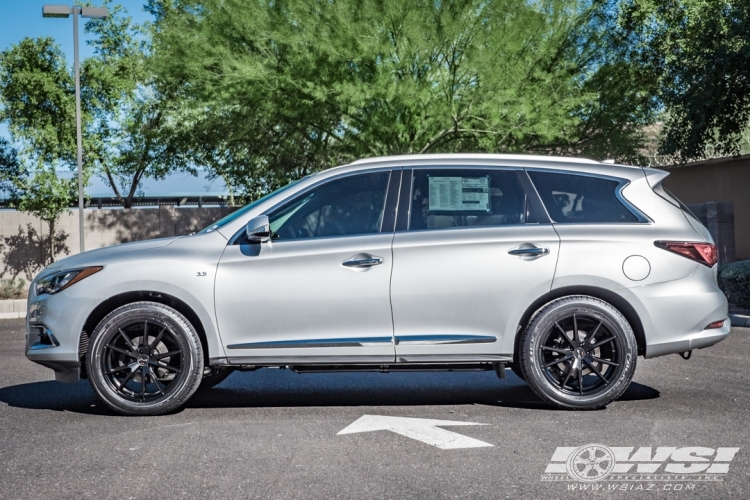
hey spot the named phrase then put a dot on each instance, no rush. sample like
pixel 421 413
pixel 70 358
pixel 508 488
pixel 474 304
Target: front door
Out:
pixel 470 260
pixel 319 290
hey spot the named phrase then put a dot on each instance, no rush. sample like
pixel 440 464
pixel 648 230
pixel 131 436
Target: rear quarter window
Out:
pixel 573 198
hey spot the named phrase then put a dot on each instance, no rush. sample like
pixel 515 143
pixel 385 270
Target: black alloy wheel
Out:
pixel 580 355
pixel 579 352
pixel 145 359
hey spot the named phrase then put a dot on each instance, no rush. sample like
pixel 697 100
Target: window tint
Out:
pixel 580 198
pixel 343 207
pixel 443 198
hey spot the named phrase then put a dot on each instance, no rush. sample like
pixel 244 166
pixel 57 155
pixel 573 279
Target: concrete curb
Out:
pixel 740 320
pixel 12 308
pixel 13 315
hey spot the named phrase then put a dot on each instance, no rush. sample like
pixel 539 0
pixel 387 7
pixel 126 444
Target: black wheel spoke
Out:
pixel 156 340
pixel 567 377
pixel 595 370
pixel 580 379
pixel 144 343
pixel 144 372
pixel 600 343
pixel 118 369
pixel 565 335
pixel 575 329
pixel 590 340
pixel 166 355
pixel 555 349
pixel 558 361
pixel 606 362
pixel 128 340
pixel 125 382
pixel 168 367
pixel 159 387
pixel 122 351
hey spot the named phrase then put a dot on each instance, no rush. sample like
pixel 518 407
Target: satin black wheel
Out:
pixel 145 359
pixel 579 353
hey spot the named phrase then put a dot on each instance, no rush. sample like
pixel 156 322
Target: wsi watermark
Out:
pixel 597 467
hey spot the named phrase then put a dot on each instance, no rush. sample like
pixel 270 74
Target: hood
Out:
pixel 98 256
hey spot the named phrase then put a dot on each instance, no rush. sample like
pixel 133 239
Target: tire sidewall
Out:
pixel 545 320
pixel 186 337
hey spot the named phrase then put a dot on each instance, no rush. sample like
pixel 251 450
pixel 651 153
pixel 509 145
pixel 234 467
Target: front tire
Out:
pixel 579 353
pixel 145 358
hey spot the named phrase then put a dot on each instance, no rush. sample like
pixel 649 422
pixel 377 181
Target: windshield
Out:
pixel 240 212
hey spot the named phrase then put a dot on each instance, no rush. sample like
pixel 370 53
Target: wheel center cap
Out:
pixel 143 360
pixel 579 353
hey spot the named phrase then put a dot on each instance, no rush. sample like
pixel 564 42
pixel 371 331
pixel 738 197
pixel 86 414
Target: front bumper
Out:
pixel 53 332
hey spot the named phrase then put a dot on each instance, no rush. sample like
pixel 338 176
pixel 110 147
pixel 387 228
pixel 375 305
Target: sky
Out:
pixel 22 18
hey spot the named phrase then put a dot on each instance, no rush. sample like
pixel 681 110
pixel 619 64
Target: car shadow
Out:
pixel 282 388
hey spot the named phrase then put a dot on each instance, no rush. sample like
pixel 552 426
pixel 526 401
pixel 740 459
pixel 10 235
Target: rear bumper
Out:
pixel 675 314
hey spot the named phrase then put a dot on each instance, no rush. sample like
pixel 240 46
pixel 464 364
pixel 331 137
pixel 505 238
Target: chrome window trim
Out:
pixel 643 219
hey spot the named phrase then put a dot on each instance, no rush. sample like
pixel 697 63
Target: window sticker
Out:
pixel 469 194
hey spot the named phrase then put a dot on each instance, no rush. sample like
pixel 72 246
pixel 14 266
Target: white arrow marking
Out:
pixel 421 429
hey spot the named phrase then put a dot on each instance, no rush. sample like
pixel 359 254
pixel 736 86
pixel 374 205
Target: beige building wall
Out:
pixel 720 179
pixel 21 253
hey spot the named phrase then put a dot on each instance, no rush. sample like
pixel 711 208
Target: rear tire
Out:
pixel 578 353
pixel 145 358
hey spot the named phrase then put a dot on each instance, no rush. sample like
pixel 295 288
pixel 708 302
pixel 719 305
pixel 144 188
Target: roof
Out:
pixel 476 156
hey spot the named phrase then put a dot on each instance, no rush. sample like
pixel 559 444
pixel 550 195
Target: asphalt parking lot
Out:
pixel 274 434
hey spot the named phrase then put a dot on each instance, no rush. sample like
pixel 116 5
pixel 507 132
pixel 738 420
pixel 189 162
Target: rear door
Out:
pixel 470 254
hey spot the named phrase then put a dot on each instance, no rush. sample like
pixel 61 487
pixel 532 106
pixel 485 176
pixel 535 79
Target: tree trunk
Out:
pixel 51 240
pixel 128 203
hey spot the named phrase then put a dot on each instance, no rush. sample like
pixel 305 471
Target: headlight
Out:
pixel 60 281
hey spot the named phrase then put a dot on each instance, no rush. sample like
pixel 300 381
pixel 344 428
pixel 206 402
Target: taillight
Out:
pixel 705 253
pixel 715 324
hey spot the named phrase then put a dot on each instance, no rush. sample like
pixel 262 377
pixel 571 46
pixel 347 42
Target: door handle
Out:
pixel 532 251
pixel 363 262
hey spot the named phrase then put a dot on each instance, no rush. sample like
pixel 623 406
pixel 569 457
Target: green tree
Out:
pixel 275 90
pixel 10 169
pixel 47 196
pixel 698 52
pixel 132 119
pixel 126 122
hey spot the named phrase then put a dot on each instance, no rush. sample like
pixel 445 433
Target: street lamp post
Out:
pixel 86 12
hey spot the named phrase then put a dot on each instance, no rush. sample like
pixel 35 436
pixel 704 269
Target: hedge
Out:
pixel 734 281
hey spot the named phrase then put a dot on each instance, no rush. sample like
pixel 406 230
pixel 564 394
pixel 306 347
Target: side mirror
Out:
pixel 258 229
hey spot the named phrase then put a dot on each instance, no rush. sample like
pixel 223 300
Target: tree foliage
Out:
pixel 133 121
pixel 275 90
pixel 126 121
pixel 698 52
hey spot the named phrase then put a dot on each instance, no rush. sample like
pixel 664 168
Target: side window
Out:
pixel 443 198
pixel 343 207
pixel 580 198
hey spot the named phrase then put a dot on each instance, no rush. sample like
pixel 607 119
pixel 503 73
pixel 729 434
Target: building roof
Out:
pixel 176 185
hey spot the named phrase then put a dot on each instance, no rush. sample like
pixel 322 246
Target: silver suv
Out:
pixel 565 270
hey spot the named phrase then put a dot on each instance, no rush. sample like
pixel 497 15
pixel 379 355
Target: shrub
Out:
pixel 13 289
pixel 734 281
